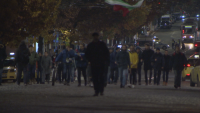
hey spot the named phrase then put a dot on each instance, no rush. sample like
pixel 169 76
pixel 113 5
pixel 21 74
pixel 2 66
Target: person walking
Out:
pixel 123 62
pixel 173 42
pixel 39 69
pixel 22 60
pixel 2 58
pixel 97 54
pixel 139 67
pixel 32 64
pixel 166 69
pixel 113 66
pixel 66 58
pixel 46 65
pixel 158 64
pixel 110 79
pixel 133 68
pixel 81 64
pixel 178 61
pixel 146 58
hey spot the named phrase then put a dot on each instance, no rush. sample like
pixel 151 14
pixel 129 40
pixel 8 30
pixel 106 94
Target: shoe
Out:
pixel 79 85
pixel 179 87
pixel 121 86
pixel 139 83
pixel 164 83
pixel 96 94
pixel 101 94
pixel 132 86
pixel 146 84
pixel 175 86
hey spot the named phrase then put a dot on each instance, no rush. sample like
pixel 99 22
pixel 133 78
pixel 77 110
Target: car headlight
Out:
pixel 167 45
pixel 191 36
pixel 184 36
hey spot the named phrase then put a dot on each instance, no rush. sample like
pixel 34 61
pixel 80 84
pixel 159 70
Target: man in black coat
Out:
pixel 178 61
pixel 166 69
pixel 146 58
pixel 98 55
pixel 138 49
pixel 158 64
pixel 2 58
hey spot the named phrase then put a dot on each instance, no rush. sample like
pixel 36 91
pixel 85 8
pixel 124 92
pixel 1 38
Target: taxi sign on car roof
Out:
pixel 196 56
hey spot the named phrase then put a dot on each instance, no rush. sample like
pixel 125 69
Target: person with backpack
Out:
pixel 2 58
pixel 66 58
pixel 32 64
pixel 22 60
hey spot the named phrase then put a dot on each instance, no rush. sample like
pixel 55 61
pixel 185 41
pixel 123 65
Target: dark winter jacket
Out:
pixel 33 58
pixel 123 59
pixel 167 59
pixel 159 63
pixel 140 57
pixel 97 54
pixel 113 60
pixel 18 55
pixel 178 61
pixel 146 57
pixel 2 56
pixel 65 55
pixel 81 60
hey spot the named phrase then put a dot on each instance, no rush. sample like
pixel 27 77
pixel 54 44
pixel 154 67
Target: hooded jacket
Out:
pixel 134 59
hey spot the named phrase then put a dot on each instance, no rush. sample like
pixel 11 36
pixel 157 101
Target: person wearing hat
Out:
pixel 158 64
pixel 146 58
pixel 2 58
pixel 139 67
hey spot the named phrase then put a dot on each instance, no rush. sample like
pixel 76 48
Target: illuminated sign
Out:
pixel 188 26
pixel 196 56
pixel 12 54
pixel 120 46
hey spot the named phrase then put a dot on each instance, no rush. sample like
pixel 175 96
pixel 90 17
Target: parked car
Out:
pixel 161 45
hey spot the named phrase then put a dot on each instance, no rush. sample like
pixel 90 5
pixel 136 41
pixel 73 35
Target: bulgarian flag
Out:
pixel 121 5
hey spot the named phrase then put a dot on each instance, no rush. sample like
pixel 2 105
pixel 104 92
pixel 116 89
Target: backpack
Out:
pixel 24 57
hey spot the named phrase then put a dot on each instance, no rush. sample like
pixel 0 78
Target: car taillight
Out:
pixel 183 31
pixel 188 65
pixel 195 45
pixel 187 74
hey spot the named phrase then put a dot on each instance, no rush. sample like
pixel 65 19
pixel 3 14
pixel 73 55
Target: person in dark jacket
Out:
pixel 146 58
pixel 22 60
pixel 39 69
pixel 166 69
pixel 109 79
pixel 138 49
pixel 158 64
pixel 113 66
pixel 46 67
pixel 123 62
pixel 97 54
pixel 81 64
pixel 66 58
pixel 2 58
pixel 178 61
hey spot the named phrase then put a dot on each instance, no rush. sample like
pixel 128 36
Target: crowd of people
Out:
pixel 99 65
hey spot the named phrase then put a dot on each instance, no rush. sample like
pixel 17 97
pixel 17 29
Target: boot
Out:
pixel 164 83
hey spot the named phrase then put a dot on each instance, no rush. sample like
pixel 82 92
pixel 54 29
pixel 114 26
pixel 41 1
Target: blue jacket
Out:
pixel 79 62
pixel 112 60
pixel 64 55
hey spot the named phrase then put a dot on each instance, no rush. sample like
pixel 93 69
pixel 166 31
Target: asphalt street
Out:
pixel 44 98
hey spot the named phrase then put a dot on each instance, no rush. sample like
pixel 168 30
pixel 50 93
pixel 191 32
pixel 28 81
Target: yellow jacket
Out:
pixel 133 59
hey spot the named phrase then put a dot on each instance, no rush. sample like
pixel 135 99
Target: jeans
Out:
pixel 146 78
pixel 72 73
pixel 114 74
pixel 98 78
pixel 165 79
pixel 83 70
pixel 1 70
pixel 123 75
pixel 157 74
pixel 66 72
pixel 21 69
pixel 133 76
pixel 177 78
pixel 39 75
pixel 139 74
pixel 31 69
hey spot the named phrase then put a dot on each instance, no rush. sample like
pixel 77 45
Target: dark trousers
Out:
pixel 165 78
pixel 133 76
pixel 98 78
pixel 146 78
pixel 177 79
pixel 83 70
pixel 114 74
pixel 47 77
pixel 67 72
pixel 31 71
pixel 157 74
pixel 39 75
pixel 139 74
pixel 21 69
pixel 59 71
